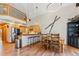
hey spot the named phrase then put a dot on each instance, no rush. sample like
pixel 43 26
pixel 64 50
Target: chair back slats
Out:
pixel 52 41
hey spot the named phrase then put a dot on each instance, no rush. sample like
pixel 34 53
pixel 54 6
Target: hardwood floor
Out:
pixel 36 50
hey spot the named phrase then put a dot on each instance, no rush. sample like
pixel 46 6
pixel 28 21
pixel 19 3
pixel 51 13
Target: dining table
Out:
pixel 49 38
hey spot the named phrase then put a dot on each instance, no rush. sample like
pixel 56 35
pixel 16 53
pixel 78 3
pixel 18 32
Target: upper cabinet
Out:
pixel 34 29
pixel 8 10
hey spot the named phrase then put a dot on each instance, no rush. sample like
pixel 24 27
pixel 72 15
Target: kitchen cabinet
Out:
pixel 73 34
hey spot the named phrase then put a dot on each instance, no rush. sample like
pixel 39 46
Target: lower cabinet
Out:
pixel 27 40
pixel 73 34
pixel 73 42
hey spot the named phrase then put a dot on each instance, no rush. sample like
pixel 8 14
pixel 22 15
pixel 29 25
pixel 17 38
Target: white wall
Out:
pixel 61 25
pixel 44 16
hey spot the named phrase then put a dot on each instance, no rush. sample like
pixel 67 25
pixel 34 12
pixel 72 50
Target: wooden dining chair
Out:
pixel 55 42
pixel 45 42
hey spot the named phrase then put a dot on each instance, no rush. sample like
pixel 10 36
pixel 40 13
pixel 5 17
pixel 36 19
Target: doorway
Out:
pixel 3 33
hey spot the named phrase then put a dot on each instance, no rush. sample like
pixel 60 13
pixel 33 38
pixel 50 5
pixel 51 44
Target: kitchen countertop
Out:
pixel 30 34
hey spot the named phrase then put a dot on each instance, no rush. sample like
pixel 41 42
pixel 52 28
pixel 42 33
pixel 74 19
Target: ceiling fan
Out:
pixel 54 4
pixel 52 24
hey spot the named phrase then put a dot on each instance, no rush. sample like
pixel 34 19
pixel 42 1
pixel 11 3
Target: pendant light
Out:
pixel 28 17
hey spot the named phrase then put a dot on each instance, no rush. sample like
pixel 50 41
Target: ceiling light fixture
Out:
pixel 53 4
pixel 49 5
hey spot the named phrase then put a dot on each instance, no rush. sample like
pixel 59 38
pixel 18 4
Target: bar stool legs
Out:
pixel 32 40
pixel 29 42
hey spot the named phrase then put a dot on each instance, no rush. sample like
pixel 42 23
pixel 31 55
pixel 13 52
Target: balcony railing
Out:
pixel 6 9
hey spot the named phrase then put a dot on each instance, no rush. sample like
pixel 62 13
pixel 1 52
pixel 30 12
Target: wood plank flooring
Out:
pixel 36 50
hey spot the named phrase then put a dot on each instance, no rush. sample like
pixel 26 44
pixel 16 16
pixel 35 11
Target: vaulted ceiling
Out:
pixel 34 9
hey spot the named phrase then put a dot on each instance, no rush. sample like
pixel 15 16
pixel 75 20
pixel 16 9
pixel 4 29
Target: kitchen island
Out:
pixel 28 39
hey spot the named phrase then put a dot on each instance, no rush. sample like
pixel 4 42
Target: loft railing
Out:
pixel 6 9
